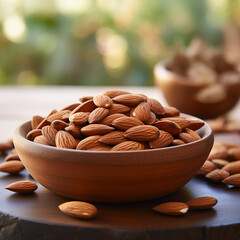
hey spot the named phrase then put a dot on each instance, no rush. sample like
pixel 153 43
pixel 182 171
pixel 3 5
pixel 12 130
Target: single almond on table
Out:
pixel 74 130
pixel 59 124
pixel 172 208
pixel 115 93
pixel 233 180
pixel 155 106
pixel 217 175
pixel 177 142
pixel 128 146
pixel 142 133
pixel 79 118
pixel 4 146
pixel 78 209
pixel 130 99
pixel 85 98
pixel 96 129
pixel 118 108
pixel 103 101
pixel 124 123
pixel 110 118
pixel 49 133
pixel 89 142
pixel 170 112
pixel 206 168
pixel 193 134
pixel 12 156
pixel 232 167
pixel 164 139
pixel 22 187
pixel 70 107
pixel 202 202
pixel 33 133
pixel 186 137
pixel 65 140
pixel 36 120
pixel 220 162
pixel 234 153
pixel 113 138
pixel 218 151
pixel 97 115
pixel 168 126
pixel 41 140
pixel 87 106
pixel 12 167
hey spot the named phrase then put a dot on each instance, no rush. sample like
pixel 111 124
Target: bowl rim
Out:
pixel 207 134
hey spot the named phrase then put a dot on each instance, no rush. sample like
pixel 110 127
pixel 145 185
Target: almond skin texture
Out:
pixel 206 168
pixel 65 140
pixel 12 156
pixel 103 101
pixel 187 138
pixel 118 108
pixel 61 115
pixel 232 167
pixel 234 153
pixel 33 133
pixel 97 115
pixel 74 130
pixel 109 119
pixel 59 124
pixel 142 111
pixel 195 124
pixel 124 123
pixel 155 106
pixel 85 98
pixel 142 133
pixel 218 151
pixel 4 146
pixel 96 129
pixel 168 126
pixel 79 118
pixel 113 138
pixel 233 180
pixel 182 122
pixel 41 140
pixel 171 112
pixel 172 208
pixel 177 142
pixel 87 106
pixel 22 187
pixel 129 99
pixel 102 147
pixel 78 209
pixel 202 202
pixel 114 93
pixel 36 120
pixel 152 119
pixel 128 146
pixel 12 167
pixel 217 175
pixel 220 162
pixel 89 142
pixel 49 133
pixel 193 134
pixel 164 139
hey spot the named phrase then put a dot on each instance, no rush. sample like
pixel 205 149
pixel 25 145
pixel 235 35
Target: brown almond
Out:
pixel 171 112
pixel 97 115
pixel 155 106
pixel 152 119
pixel 102 147
pixel 129 99
pixel 202 202
pixel 124 123
pixel 217 175
pixel 177 142
pixel 87 106
pixel 96 129
pixel 206 168
pixel 114 93
pixel 12 156
pixel 12 167
pixel 74 130
pixel 65 140
pixel 33 133
pixel 79 118
pixel 71 107
pixel 78 209
pixel 142 133
pixel 118 108
pixel 172 208
pixel 217 125
pixel 61 115
pixel 59 124
pixel 193 134
pixel 218 151
pixel 128 146
pixel 85 98
pixel 232 167
pixel 234 153
pixel 89 142
pixel 113 138
pixel 142 111
pixel 103 101
pixel 4 146
pixel 36 120
pixel 233 180
pixel 232 127
pixel 164 139
pixel 22 187
pixel 110 118
pixel 45 122
pixel 41 140
pixel 195 124
pixel 168 126
pixel 220 162
pixel 187 138
pixel 182 122
pixel 49 133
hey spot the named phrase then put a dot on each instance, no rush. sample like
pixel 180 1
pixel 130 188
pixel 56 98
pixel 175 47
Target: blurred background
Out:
pixel 104 42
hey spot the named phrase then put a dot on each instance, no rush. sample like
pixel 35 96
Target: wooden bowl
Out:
pixel 179 91
pixel 126 176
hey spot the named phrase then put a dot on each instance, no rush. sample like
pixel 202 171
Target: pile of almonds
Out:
pixel 223 164
pixel 114 121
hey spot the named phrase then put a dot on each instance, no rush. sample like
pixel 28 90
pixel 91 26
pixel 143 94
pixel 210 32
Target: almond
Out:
pixel 79 118
pixel 61 115
pixel 233 127
pixel 4 146
pixel 206 168
pixel 96 129
pixel 187 138
pixel 232 167
pixel 85 98
pixel 118 108
pixel 218 151
pixel 142 111
pixel 164 139
pixel 172 208
pixel 168 126
pixel 217 175
pixel 65 140
pixel 182 122
pixel 11 167
pixel 142 133
pixel 12 156
pixel 74 130
pixel 49 133
pixel 217 125
pixel 103 101
pixel 128 146
pixel 155 106
pixel 33 133
pixel 71 107
pixel 78 209
pixel 177 142
pixel 220 162
pixel 97 115
pixel 129 99
pixel 171 112
pixel 233 180
pixel 89 142
pixel 87 106
pixel 22 187
pixel 36 120
pixel 45 122
pixel 102 147
pixel 109 119
pixel 195 124
pixel 152 119
pixel 234 153
pixel 41 140
pixel 193 134
pixel 202 202
pixel 124 123
pixel 59 124
pixel 114 93
pixel 113 138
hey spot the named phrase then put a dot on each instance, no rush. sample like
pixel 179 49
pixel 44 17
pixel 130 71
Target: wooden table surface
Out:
pixel 36 216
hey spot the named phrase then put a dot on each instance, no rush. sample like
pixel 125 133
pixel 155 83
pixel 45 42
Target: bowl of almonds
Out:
pixel 114 147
